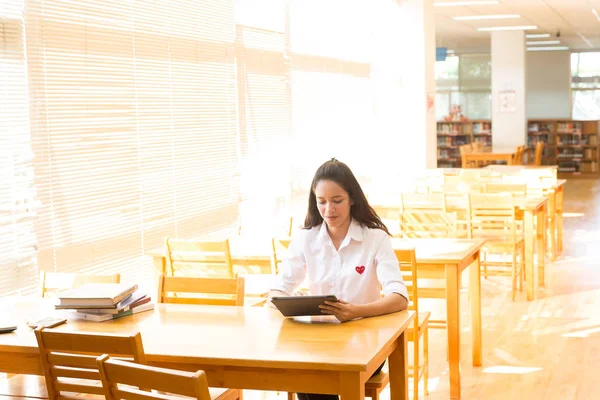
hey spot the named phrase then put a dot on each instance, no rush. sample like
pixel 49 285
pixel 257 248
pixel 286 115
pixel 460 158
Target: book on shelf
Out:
pixel 107 317
pixel 96 295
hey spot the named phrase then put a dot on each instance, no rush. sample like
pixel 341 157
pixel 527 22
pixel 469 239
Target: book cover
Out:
pixel 107 317
pixel 96 295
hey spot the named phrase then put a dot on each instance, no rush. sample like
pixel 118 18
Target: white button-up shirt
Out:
pixel 364 264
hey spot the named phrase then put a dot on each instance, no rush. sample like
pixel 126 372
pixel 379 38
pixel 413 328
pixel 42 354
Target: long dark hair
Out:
pixel 338 172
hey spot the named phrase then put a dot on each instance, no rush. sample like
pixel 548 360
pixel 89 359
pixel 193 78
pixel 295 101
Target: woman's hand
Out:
pixel 342 310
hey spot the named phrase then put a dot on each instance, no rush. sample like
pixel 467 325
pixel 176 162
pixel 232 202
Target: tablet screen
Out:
pixel 296 306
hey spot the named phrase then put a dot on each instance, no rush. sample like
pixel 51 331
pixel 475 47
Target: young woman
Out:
pixel 345 250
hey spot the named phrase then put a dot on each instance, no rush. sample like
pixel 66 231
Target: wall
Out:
pixel 509 129
pixel 548 84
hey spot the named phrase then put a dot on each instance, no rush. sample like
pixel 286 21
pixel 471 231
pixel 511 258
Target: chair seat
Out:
pixel 33 386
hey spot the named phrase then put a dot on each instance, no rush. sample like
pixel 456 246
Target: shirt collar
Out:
pixel 354 232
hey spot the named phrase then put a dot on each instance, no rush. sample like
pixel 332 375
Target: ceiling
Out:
pixel 579 28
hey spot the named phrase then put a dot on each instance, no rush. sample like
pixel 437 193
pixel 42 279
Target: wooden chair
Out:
pixel 539 153
pixel 120 378
pixel 279 246
pixel 493 217
pixel 420 329
pixel 69 359
pixel 52 283
pixel 199 290
pixel 518 190
pixel 428 224
pixel 198 258
pixel 466 149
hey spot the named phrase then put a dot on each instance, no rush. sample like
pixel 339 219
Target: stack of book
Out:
pixel 105 301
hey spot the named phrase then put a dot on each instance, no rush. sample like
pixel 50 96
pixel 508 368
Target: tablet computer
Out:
pixel 296 306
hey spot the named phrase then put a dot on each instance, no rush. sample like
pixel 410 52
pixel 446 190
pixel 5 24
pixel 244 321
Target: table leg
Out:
pixel 559 220
pixel 475 290
pixel 529 271
pixel 352 387
pixel 453 316
pixel 398 369
pixel 552 227
pixel 541 243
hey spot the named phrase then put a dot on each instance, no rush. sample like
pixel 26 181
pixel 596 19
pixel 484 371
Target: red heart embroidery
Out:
pixel 360 269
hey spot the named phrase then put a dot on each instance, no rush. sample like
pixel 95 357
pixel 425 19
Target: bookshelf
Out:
pixel 451 135
pixel 572 145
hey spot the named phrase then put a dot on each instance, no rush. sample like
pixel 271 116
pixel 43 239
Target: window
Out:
pixel 18 209
pixel 465 80
pixel 133 128
pixel 585 82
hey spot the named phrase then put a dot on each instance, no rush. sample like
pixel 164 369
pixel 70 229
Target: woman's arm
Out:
pixel 292 270
pixel 345 311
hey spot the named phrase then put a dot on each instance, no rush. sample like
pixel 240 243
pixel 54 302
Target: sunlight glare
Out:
pixel 508 369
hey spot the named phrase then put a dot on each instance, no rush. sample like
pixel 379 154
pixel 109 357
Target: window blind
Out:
pixel 133 127
pixel 17 196
pixel 264 101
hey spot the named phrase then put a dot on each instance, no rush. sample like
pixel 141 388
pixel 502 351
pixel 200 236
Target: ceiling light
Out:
pixel 507 28
pixel 465 3
pixel 537 35
pixel 548 48
pixel 478 17
pixel 596 14
pixel 539 42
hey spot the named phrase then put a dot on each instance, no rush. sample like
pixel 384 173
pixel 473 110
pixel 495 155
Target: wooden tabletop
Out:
pixel 518 168
pixel 440 250
pixel 239 336
pixel 495 150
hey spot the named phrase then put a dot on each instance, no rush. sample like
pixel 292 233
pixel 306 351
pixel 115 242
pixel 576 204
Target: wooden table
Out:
pixel 532 209
pixel 247 347
pixel 444 258
pixel 555 203
pixel 490 154
pixel 447 258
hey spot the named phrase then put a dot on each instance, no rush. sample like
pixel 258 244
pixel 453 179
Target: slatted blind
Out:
pixel 133 127
pixel 17 204
pixel 264 101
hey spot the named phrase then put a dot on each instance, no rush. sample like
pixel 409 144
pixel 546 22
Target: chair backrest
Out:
pixel 408 266
pixel 52 283
pixel 199 290
pixel 69 358
pixel 514 188
pixel 493 216
pixel 428 224
pixel 539 152
pixel 279 247
pixel 422 201
pixel 390 216
pixel 198 258
pixel 119 379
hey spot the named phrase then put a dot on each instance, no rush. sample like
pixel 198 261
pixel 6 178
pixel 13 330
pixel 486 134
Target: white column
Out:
pixel 509 93
pixel 403 73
